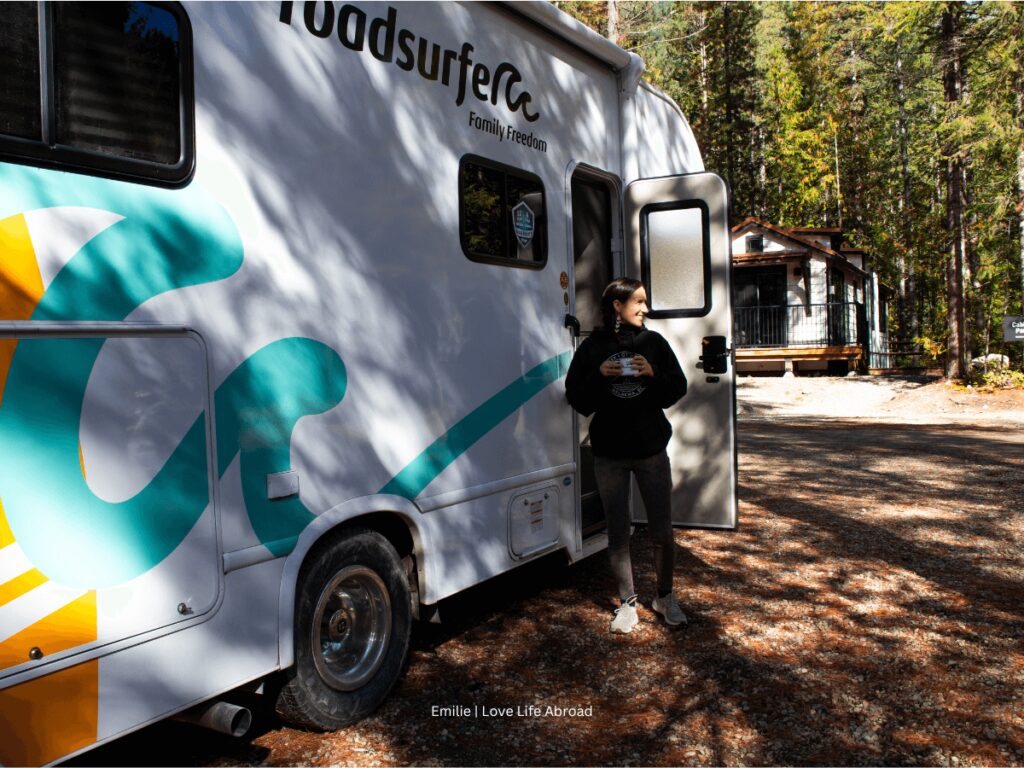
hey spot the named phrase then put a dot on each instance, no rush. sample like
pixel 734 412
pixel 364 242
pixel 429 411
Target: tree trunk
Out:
pixel 704 77
pixel 1020 185
pixel 1018 87
pixel 752 166
pixel 978 322
pixel 956 357
pixel 729 109
pixel 839 191
pixel 762 174
pixel 909 325
pixel 613 21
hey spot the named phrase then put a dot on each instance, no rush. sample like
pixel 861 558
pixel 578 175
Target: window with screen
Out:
pixel 501 214
pixel 19 62
pixel 676 258
pixel 98 86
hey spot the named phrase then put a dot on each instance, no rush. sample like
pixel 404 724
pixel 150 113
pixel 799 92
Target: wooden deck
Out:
pixel 849 352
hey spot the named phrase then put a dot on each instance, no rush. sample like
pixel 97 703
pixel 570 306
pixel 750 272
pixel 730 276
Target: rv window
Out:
pixel 501 214
pixel 113 96
pixel 19 61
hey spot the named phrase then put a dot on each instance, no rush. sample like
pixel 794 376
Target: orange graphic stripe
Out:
pixel 49 717
pixel 68 627
pixel 19 585
pixel 21 284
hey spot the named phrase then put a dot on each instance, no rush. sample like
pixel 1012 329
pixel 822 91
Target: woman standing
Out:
pixel 627 376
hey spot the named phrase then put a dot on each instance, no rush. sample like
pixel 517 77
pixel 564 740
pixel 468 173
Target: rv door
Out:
pixel 677 242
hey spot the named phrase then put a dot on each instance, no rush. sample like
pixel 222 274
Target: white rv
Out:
pixel 287 294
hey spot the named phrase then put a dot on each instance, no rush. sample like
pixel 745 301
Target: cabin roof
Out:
pixel 818 230
pixel 796 236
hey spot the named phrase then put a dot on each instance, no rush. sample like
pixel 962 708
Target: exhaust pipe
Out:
pixel 219 716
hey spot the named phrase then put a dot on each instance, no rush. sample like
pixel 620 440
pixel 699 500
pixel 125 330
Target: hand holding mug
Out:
pixel 611 368
pixel 641 366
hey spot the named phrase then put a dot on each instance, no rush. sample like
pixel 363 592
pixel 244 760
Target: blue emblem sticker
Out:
pixel 522 223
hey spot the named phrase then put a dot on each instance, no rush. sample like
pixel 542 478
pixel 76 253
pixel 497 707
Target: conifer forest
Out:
pixel 901 122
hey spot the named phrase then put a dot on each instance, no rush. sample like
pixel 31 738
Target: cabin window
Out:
pixel 755 244
pixel 501 214
pixel 98 87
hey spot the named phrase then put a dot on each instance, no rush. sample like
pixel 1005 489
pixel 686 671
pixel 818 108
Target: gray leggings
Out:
pixel 654 477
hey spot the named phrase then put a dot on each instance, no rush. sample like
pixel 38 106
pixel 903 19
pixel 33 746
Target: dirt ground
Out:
pixel 868 611
pixel 908 399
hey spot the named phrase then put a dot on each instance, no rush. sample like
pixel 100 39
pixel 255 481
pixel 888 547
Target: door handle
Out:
pixel 716 355
pixel 574 324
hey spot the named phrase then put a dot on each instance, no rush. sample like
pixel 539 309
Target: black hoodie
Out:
pixel 629 420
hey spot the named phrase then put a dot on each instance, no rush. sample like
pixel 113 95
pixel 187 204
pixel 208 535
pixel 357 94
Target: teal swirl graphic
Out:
pixel 257 407
pixel 167 240
pixel 422 470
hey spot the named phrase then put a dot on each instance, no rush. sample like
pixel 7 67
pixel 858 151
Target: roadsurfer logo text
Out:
pixel 382 35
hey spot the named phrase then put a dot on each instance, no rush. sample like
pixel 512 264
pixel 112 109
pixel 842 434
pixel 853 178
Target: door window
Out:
pixel 675 258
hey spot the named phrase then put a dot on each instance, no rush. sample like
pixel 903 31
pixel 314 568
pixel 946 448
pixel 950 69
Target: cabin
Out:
pixel 804 302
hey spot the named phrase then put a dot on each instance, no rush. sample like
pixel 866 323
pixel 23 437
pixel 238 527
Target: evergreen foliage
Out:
pixel 902 122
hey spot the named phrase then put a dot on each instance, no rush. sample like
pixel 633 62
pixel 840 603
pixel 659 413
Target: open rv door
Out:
pixel 677 243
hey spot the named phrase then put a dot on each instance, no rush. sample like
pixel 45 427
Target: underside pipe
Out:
pixel 219 716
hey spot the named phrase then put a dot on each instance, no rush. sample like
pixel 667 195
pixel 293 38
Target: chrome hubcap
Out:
pixel 351 628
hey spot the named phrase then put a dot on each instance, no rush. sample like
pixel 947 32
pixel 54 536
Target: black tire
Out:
pixel 352 622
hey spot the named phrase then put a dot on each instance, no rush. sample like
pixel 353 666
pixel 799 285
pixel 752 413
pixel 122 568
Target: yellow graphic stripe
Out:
pixel 19 585
pixel 21 288
pixel 21 284
pixel 52 716
pixel 6 536
pixel 49 717
pixel 67 627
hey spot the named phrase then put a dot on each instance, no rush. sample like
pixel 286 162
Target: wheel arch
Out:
pixel 394 517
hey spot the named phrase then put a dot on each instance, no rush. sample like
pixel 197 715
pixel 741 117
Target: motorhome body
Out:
pixel 281 349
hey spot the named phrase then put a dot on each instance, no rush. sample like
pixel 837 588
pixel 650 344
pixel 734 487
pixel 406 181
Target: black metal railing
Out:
pixel 799 325
pixel 901 355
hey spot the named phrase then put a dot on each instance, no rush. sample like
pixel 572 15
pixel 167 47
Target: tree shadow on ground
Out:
pixel 846 622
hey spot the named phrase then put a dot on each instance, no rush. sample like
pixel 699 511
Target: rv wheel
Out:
pixel 352 622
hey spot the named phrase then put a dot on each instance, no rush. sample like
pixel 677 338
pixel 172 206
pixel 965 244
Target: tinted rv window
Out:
pixel 113 93
pixel 501 214
pixel 19 63
pixel 116 72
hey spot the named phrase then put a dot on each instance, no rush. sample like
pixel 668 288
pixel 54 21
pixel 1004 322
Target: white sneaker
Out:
pixel 625 619
pixel 669 610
